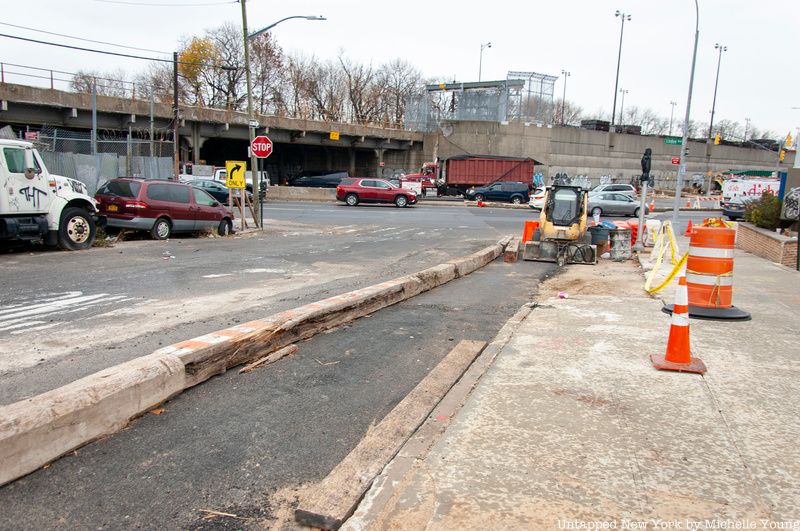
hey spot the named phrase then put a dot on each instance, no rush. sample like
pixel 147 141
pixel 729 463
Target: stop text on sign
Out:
pixel 261 146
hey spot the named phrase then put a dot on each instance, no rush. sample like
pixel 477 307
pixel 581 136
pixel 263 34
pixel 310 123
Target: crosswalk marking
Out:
pixel 21 316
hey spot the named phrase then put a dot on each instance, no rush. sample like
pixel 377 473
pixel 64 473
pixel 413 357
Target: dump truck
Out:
pixel 458 174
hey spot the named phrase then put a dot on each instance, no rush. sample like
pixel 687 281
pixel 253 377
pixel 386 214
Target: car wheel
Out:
pixel 517 200
pixel 478 197
pixel 351 199
pixel 400 201
pixel 225 227
pixel 636 212
pixel 597 211
pixel 76 230
pixel 161 229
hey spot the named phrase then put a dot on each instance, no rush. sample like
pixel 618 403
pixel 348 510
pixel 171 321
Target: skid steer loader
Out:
pixel 562 237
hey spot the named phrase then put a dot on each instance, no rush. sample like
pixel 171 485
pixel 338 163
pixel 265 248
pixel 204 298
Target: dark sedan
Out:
pixel 734 208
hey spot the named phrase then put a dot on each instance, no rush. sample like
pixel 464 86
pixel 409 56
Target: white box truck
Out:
pixel 37 205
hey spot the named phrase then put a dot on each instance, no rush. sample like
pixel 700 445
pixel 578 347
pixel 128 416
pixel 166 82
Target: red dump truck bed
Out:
pixel 481 170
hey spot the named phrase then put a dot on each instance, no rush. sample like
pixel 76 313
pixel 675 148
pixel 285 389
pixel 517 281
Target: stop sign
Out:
pixel 261 147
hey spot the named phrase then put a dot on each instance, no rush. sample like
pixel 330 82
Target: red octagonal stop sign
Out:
pixel 261 147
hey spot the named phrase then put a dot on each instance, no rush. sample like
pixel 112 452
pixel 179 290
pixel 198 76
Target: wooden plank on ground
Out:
pixel 333 500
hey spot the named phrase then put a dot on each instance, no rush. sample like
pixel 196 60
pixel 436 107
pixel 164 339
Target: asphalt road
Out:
pixel 232 443
pixel 66 315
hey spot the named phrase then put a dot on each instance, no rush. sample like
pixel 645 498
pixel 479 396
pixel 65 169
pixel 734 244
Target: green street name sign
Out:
pixel 673 140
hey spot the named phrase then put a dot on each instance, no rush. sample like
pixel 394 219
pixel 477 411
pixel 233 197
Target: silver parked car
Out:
pixel 614 203
pixel 626 189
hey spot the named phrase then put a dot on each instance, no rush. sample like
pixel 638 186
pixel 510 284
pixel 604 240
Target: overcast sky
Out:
pixel 759 77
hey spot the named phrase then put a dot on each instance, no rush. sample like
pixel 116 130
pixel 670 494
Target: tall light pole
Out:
pixel 622 106
pixel 671 113
pixel 622 16
pixel 682 164
pixel 564 97
pixel 252 122
pixel 721 49
pixel 746 128
pixel 480 59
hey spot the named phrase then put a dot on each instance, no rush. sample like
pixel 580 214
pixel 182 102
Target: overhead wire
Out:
pixel 149 4
pixel 106 52
pixel 82 39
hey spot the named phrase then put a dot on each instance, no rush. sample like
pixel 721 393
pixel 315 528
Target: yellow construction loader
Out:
pixel 562 236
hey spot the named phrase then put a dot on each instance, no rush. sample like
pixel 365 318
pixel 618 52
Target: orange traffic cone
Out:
pixel 480 203
pixel 688 229
pixel 652 205
pixel 678 356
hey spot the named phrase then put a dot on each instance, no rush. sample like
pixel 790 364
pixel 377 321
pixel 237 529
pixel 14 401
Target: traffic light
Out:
pixel 782 155
pixel 717 139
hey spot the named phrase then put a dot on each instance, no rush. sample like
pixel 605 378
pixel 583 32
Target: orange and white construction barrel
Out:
pixel 709 274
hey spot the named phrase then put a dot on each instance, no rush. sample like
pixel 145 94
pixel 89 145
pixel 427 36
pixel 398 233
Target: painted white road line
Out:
pixel 219 275
pixel 30 316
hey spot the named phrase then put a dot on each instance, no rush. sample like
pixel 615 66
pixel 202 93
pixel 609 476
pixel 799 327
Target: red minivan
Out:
pixel 160 207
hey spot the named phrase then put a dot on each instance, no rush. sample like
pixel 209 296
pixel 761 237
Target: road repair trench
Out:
pixel 242 443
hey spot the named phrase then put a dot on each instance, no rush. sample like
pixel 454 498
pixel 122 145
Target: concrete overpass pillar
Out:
pixel 378 168
pixel 351 168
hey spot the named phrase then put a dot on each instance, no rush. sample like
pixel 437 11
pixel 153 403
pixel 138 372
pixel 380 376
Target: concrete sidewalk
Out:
pixel 572 428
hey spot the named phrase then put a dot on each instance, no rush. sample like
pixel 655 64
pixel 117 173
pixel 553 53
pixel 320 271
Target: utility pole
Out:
pixel 175 117
pixel 721 49
pixel 619 60
pixel 671 113
pixel 564 96
pixel 682 165
pixel 152 142
pixel 252 123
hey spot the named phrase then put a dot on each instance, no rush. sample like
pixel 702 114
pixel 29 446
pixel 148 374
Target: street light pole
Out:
pixel 480 59
pixel 622 107
pixel 564 97
pixel 252 123
pixel 619 59
pixel 251 119
pixel 721 49
pixel 682 164
pixel 671 113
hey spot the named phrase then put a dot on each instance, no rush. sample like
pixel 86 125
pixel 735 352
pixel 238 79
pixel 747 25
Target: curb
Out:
pixel 392 479
pixel 38 430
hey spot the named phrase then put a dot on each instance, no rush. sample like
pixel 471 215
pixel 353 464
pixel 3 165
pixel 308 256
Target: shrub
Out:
pixel 764 212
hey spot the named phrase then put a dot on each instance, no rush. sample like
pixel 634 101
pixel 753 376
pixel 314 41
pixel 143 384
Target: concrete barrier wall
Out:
pixel 298 193
pixel 578 151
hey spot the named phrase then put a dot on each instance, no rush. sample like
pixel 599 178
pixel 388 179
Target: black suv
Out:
pixel 506 191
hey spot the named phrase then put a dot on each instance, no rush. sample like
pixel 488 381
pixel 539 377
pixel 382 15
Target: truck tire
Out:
pixel 76 231
pixel 161 230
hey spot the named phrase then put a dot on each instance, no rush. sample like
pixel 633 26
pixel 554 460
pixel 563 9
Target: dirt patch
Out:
pixel 623 279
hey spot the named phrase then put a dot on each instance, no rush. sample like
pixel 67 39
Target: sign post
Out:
pixel 260 148
pixel 235 171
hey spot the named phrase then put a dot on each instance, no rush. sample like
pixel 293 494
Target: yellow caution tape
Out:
pixel 669 278
pixel 665 236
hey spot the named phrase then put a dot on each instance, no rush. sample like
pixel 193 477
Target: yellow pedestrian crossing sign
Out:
pixel 235 171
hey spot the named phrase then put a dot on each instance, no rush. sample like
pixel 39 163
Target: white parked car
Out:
pixel 537 199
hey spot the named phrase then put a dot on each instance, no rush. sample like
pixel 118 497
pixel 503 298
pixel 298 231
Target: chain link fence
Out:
pixel 77 155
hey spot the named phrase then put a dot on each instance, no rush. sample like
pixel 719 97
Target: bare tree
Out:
pixel 364 94
pixel 269 73
pixel 572 113
pixel 399 80
pixel 106 83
